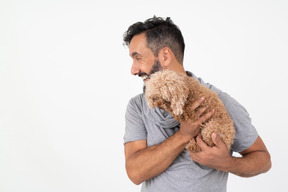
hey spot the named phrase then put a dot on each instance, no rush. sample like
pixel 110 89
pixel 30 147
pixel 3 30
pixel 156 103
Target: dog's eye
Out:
pixel 155 98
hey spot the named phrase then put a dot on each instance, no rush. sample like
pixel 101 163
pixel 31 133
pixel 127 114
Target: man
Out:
pixel 155 143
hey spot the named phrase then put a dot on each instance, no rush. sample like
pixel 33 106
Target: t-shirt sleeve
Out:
pixel 246 133
pixel 134 125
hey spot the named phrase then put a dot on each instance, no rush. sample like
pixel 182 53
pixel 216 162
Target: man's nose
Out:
pixel 135 70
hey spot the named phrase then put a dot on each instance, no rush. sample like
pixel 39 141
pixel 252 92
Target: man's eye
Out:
pixel 138 58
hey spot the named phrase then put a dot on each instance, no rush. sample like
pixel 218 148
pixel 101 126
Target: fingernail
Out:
pixel 202 98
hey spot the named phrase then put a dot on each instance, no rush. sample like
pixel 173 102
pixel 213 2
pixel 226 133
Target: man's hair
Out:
pixel 159 33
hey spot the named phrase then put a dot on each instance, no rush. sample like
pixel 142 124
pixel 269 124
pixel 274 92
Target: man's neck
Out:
pixel 177 67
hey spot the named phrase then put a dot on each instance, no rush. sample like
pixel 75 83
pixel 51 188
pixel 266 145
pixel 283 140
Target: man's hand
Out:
pixel 191 129
pixel 255 160
pixel 216 157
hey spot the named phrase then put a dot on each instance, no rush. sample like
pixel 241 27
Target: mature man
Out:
pixel 155 143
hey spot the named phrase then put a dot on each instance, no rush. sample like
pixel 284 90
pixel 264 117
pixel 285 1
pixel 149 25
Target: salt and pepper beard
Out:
pixel 155 68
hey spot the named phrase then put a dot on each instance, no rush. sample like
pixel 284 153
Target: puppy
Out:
pixel 175 93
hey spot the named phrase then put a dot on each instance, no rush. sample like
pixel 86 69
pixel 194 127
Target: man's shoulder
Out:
pixel 138 98
pixel 137 102
pixel 202 82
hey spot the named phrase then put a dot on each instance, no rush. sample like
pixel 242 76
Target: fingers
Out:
pixel 192 126
pixel 196 107
pixel 201 143
pixel 206 116
pixel 217 140
pixel 200 111
pixel 197 103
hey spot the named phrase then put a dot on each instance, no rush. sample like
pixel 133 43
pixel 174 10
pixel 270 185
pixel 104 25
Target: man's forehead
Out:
pixel 138 43
pixel 140 37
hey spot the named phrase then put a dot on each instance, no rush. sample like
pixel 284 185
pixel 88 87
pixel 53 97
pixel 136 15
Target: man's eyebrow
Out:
pixel 134 54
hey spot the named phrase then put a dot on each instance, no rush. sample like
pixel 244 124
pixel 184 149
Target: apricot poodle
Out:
pixel 175 92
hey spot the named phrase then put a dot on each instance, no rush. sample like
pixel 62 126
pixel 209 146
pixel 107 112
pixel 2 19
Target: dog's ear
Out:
pixel 179 97
pixel 176 93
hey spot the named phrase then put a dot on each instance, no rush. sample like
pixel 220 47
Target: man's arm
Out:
pixel 255 160
pixel 144 163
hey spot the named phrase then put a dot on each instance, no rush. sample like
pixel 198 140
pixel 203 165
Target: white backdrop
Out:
pixel 65 82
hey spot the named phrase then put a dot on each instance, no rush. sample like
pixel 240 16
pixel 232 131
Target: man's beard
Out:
pixel 155 68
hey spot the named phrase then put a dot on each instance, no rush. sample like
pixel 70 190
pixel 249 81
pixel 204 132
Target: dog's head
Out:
pixel 167 90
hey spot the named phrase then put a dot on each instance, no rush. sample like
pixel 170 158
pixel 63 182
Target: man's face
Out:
pixel 144 61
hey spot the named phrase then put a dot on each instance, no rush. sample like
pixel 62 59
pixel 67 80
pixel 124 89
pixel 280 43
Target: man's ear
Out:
pixel 165 57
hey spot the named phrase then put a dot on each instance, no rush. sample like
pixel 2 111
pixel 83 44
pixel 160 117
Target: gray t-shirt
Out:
pixel 185 175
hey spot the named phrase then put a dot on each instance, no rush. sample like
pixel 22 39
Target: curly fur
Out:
pixel 175 92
